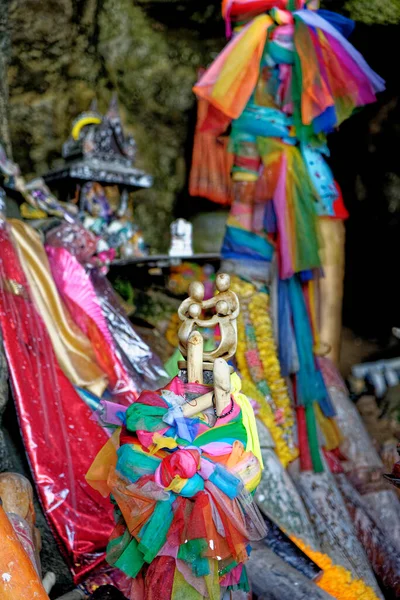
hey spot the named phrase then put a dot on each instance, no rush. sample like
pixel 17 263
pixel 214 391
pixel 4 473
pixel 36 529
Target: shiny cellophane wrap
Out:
pixel 24 533
pixel 60 437
pixel 139 361
pixel 334 525
pixel 79 241
pixel 363 466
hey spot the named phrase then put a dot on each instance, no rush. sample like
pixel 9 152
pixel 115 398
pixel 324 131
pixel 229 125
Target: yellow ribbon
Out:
pixel 249 420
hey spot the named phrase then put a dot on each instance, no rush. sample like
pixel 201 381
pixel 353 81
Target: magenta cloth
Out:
pixel 74 285
pixel 314 20
pixel 60 439
pixel 280 206
pixel 76 289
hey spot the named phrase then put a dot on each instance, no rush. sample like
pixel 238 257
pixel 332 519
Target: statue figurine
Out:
pixel 181 238
pixel 226 305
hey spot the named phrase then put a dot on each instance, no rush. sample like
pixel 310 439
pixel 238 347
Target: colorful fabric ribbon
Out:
pixel 182 497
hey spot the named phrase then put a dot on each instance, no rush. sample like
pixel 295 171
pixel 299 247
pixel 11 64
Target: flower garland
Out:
pixel 260 316
pixel 252 355
pixel 182 275
pixel 259 367
pixel 211 335
pixel 336 580
pixel 171 333
pixel 259 311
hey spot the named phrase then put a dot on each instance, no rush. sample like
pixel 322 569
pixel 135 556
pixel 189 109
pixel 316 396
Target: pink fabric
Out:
pixel 217 448
pixel 280 205
pixel 233 577
pixel 74 283
pixel 207 468
pixel 77 291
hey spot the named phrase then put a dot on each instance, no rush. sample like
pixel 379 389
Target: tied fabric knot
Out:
pixel 233 10
pixel 282 16
pixel 178 472
pixel 184 473
pixel 186 429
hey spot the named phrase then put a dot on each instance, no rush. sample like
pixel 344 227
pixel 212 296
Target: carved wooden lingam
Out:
pixel 225 305
pixel 191 313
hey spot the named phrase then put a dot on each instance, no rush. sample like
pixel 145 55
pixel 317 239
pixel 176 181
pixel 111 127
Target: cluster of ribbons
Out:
pixel 182 488
pixel 285 80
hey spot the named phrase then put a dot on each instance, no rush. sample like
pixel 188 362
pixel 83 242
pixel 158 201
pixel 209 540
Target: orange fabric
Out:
pixel 233 537
pixel 98 474
pixel 220 544
pixel 19 579
pixel 229 83
pixel 237 455
pixel 210 175
pixel 135 508
pixel 316 97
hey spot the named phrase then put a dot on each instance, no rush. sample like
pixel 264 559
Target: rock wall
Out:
pixel 66 52
pixel 4 63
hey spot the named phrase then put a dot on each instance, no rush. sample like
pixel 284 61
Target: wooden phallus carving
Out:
pixel 191 313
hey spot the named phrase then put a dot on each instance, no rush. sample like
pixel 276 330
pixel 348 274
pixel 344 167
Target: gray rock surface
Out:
pixel 4 63
pixel 272 579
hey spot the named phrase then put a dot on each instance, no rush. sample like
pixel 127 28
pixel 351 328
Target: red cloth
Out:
pixel 305 455
pixel 339 207
pixel 60 438
pixel 210 174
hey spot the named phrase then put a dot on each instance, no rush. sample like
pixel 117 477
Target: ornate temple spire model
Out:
pixel 99 150
pixel 98 174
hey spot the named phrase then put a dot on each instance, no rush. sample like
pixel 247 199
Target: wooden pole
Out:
pixel 195 357
pixel 332 233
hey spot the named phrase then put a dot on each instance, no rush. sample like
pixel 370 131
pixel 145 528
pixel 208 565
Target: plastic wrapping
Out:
pixel 60 434
pixel 137 357
pixel 80 242
pixel 24 533
pixel 76 290
pixel 129 363
pixel 18 576
pixel 60 437
pixel 289 552
pixel 334 525
pixel 16 495
pixel 363 467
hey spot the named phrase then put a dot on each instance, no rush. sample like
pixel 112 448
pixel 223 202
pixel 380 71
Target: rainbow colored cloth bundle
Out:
pixel 182 489
pixel 285 80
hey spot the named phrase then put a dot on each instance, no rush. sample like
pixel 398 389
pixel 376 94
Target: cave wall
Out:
pixel 4 63
pixel 66 52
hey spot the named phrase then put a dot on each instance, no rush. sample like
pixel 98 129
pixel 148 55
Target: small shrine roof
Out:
pixel 99 150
